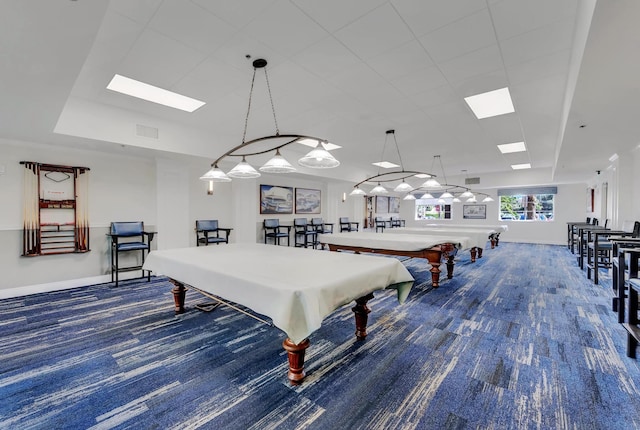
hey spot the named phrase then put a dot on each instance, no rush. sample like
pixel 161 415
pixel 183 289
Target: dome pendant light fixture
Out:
pixel 318 158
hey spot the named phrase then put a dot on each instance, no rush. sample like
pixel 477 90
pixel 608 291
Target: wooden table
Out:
pixel 295 287
pixel 432 248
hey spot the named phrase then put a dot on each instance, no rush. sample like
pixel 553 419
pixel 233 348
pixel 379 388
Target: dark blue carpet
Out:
pixel 519 339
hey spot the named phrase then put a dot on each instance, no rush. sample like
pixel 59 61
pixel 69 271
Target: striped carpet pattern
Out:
pixel 519 339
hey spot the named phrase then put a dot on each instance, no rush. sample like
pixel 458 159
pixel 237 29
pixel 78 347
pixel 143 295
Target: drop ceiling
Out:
pixel 343 70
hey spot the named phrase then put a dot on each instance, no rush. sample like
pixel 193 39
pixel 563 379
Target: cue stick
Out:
pixel 217 299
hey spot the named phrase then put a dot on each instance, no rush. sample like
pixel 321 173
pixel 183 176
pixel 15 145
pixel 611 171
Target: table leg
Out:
pixel 479 252
pixel 450 264
pixel 474 252
pixel 361 312
pixel 179 292
pixel 295 354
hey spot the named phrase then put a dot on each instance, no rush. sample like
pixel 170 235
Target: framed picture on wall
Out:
pixel 308 201
pixel 474 211
pixel 382 204
pixel 276 199
pixel 590 199
pixel 394 205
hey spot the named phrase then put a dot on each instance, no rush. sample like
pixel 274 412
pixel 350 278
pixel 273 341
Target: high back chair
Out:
pixel 321 226
pixel 275 231
pixel 305 234
pixel 125 237
pixel 380 224
pixel 207 231
pixel 346 225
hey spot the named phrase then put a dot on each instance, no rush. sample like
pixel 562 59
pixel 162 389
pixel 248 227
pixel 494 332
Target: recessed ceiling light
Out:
pixel 492 103
pixel 507 148
pixel 521 166
pixel 422 175
pixel 150 93
pixel 385 164
pixel 313 143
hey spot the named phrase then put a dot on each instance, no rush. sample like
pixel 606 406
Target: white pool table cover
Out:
pixel 295 287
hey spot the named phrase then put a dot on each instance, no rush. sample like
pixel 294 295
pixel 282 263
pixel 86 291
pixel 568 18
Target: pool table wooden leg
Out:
pixel 295 354
pixel 179 292
pixel 361 312
pixel 479 252
pixel 474 253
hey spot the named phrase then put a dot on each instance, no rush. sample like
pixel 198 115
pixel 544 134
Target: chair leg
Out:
pixel 117 266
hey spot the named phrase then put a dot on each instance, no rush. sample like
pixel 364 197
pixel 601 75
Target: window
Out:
pixel 527 207
pixel 427 210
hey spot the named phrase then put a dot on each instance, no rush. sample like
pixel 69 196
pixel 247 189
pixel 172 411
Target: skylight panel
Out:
pixel 521 166
pixel 133 88
pixel 492 103
pixel 385 164
pixel 508 148
pixel 313 143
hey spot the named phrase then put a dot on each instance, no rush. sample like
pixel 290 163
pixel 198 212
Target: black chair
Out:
pixel 380 224
pixel 275 231
pixel 207 231
pixel 397 222
pixel 624 266
pixel 321 226
pixel 125 237
pixel 346 225
pixel 305 234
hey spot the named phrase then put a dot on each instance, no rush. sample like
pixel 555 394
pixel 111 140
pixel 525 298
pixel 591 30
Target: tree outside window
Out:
pixel 527 207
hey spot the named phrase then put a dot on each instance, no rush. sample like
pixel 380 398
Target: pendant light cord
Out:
pixel 273 109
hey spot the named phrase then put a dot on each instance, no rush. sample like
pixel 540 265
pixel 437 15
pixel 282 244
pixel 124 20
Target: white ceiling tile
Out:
pixel 424 16
pixel 401 60
pixel 460 37
pixel 213 79
pixel 239 14
pixel 234 53
pixel 375 33
pixel 285 28
pixel 481 83
pixel 420 81
pixel 325 58
pixel 191 25
pixel 159 60
pixel 516 17
pixel 537 43
pixel 476 63
pixel 539 67
pixel 434 97
pixel 138 11
pixel 324 12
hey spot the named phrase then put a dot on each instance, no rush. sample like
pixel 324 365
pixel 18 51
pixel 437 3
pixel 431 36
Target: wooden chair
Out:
pixel 346 225
pixel 125 237
pixel 207 231
pixel 275 231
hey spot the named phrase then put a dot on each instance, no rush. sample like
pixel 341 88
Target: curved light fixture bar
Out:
pixel 395 176
pixel 318 158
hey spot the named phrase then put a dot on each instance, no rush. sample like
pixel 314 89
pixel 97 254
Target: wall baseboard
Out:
pixel 26 290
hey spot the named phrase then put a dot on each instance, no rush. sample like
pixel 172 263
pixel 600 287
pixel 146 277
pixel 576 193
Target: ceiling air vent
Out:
pixel 472 181
pixel 145 131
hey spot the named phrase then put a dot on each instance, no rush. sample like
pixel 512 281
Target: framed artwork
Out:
pixel 276 199
pixel 307 201
pixel 382 204
pixel 394 205
pixel 474 211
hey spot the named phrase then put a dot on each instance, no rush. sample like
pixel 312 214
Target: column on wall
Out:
pixel 172 208
pixel 245 210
